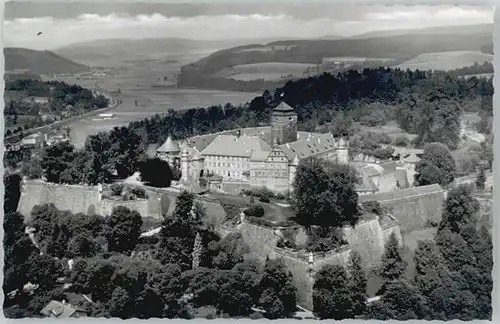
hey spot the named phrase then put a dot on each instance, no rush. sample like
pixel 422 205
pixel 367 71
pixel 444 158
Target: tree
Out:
pixel 401 301
pixel 179 231
pixel 12 193
pixel 393 265
pixel 358 284
pixel 156 173
pixel 481 179
pixel 57 159
pixel 82 245
pixel 255 210
pixel 325 193
pixel 32 169
pixel 437 166
pixel 278 290
pixel 197 251
pixel 227 252
pixel 331 294
pixel 123 228
pixel 460 208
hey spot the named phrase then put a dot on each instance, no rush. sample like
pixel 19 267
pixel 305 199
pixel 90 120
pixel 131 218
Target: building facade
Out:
pixel 268 157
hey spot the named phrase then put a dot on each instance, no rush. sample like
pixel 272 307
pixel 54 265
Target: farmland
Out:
pixel 265 71
pixel 446 60
pixel 144 91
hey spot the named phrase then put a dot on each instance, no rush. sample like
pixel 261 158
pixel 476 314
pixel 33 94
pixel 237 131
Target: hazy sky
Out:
pixel 65 23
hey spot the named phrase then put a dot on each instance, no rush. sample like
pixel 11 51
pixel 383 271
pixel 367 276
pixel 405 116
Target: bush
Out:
pixel 116 189
pixel 255 210
pixel 256 316
pixel 139 193
pixel 401 141
pixel 279 196
pixel 269 224
pixel 373 207
pixel 264 199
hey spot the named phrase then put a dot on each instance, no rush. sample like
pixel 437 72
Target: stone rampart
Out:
pixel 368 238
pixel 412 208
pixel 77 199
pixel 139 205
pixel 74 198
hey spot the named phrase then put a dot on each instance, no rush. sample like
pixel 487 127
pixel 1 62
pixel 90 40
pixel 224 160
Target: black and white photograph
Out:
pixel 247 160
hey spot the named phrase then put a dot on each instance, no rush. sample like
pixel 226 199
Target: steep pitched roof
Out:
pixel 230 145
pixel 259 156
pixel 169 146
pixel 413 158
pixel 283 107
pixel 60 310
pixel 313 144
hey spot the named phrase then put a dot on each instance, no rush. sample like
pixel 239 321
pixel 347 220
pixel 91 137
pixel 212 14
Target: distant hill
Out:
pixel 39 62
pixel 113 52
pixel 397 48
pixel 446 61
pixel 442 30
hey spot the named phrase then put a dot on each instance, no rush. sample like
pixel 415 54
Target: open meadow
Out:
pixel 144 91
pixel 445 61
pixel 268 71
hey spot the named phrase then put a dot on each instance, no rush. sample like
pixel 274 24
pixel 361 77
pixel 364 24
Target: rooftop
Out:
pixel 310 145
pixel 60 309
pixel 169 146
pixel 232 145
pixel 283 107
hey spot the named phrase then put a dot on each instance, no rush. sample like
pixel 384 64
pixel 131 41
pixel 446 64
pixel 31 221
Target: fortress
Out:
pixel 267 157
pixel 234 160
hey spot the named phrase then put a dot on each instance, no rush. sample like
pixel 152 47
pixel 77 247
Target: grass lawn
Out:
pixel 148 223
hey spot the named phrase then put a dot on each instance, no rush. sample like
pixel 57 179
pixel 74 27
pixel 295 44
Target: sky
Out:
pixel 65 23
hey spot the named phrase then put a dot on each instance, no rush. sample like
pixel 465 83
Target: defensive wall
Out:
pixel 74 198
pixel 368 238
pixel 89 200
pixel 412 208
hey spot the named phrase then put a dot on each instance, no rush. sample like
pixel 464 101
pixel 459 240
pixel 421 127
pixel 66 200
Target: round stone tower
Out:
pixel 283 124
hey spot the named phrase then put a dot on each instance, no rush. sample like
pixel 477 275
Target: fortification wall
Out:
pixel 77 199
pixel 414 212
pixel 140 206
pixel 260 239
pixel 299 269
pixel 367 239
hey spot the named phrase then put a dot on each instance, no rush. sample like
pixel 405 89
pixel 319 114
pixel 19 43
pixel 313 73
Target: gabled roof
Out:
pixel 259 156
pixel 60 310
pixel 413 158
pixel 231 145
pixel 313 144
pixel 169 146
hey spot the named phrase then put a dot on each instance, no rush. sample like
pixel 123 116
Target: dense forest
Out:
pixel 64 100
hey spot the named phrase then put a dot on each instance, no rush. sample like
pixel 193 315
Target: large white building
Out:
pixel 264 156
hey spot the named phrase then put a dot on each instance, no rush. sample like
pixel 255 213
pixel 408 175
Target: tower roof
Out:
pixel 169 146
pixel 283 107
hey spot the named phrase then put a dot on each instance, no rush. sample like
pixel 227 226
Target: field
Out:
pixel 145 84
pixel 446 60
pixel 266 71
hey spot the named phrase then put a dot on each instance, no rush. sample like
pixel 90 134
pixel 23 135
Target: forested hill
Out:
pixel 39 62
pixel 399 48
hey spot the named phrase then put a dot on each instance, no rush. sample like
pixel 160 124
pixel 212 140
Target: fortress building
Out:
pixel 267 157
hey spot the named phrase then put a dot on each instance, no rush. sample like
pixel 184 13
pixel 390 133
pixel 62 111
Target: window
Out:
pixel 228 173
